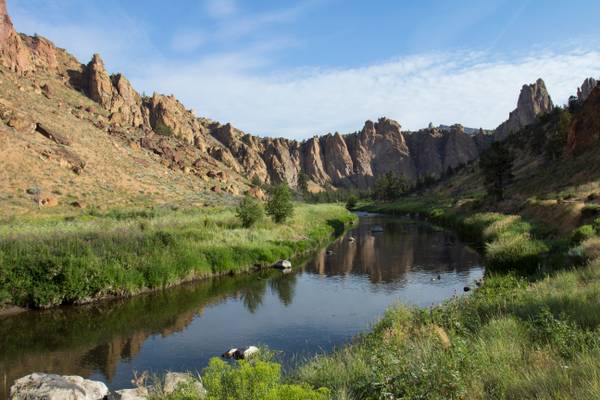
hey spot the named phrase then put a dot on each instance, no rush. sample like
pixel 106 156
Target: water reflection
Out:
pixel 300 313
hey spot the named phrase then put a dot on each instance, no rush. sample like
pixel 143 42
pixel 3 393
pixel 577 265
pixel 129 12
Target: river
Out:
pixel 334 295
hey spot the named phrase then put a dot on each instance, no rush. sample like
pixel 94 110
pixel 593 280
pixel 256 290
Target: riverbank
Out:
pixel 531 331
pixel 78 259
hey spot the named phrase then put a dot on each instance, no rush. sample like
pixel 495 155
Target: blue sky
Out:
pixel 308 67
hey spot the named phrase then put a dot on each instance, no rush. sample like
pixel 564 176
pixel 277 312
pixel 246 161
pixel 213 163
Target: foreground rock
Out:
pixel 56 387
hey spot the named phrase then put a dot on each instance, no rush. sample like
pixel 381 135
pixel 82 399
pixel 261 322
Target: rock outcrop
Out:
pixel 534 101
pixel 584 132
pixel 13 52
pixel 163 127
pixel 586 88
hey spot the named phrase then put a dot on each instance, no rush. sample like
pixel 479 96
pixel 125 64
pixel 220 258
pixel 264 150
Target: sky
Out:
pixel 302 68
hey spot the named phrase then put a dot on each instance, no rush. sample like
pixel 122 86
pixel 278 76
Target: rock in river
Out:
pixel 56 387
pixel 283 264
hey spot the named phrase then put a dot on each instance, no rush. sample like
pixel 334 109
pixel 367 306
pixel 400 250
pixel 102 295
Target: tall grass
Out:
pixel 56 261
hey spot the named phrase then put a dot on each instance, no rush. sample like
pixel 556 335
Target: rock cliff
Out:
pixel 162 126
pixel 534 100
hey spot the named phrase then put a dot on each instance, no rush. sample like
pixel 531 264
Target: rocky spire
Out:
pixel 534 101
pixel 13 53
pixel 586 88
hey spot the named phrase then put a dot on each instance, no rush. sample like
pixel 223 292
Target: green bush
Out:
pixel 162 129
pixel 249 211
pixel 582 233
pixel 280 206
pixel 253 380
pixel 351 202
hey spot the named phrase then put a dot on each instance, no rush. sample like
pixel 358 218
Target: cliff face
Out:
pixel 534 100
pixel 162 126
pixel 586 88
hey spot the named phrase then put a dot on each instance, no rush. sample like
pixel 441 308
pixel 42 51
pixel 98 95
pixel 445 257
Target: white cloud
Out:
pixel 187 41
pixel 470 88
pixel 220 8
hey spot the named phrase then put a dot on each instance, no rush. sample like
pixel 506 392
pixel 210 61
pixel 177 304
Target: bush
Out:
pixel 253 380
pixel 351 202
pixel 249 211
pixel 582 233
pixel 162 129
pixel 280 206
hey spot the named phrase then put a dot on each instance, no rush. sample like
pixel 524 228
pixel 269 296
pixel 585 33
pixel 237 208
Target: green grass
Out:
pixel 76 259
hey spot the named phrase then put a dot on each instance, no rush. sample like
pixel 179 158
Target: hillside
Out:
pixel 74 134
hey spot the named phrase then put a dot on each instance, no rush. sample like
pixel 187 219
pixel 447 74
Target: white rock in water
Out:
pixel 140 393
pixel 283 264
pixel 174 379
pixel 241 354
pixel 56 387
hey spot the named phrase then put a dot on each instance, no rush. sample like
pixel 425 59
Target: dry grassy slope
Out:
pixel 117 172
pixel 556 194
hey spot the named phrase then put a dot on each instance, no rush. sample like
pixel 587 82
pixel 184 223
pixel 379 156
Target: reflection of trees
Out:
pixel 283 285
pixel 402 247
pixel 80 340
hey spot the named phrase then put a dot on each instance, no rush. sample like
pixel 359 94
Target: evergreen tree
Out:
pixel 496 165
pixel 303 183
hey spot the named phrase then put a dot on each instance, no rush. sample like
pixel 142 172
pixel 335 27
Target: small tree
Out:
pixel 351 202
pixel 256 181
pixel 303 183
pixel 280 206
pixel 249 211
pixel 496 165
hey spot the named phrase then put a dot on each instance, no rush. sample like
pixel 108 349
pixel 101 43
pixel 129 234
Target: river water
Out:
pixel 339 292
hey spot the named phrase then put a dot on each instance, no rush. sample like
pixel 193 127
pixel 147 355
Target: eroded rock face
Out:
pixel 13 52
pixel 167 111
pixel 115 94
pixel 586 88
pixel 55 387
pixel 534 101
pixel 584 132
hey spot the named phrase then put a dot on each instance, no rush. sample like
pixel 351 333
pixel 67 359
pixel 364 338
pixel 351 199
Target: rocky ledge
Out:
pixel 40 386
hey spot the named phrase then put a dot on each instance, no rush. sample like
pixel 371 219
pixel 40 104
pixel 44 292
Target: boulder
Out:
pixel 241 353
pixel 283 264
pixel 174 379
pixel 52 135
pixel 21 123
pixel 139 393
pixel 47 201
pixel 39 386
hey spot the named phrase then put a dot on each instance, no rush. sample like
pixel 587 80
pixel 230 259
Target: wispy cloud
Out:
pixel 471 88
pixel 220 8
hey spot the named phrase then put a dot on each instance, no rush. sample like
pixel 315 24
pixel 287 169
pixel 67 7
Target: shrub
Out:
pixel 582 233
pixel 253 380
pixel 280 206
pixel 351 202
pixel 249 211
pixel 162 129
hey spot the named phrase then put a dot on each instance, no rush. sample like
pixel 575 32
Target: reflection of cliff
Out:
pixel 387 257
pixel 82 340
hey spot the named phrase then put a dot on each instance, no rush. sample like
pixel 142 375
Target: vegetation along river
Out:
pixel 339 292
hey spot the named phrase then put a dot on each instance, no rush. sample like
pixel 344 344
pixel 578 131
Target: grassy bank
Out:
pixel 62 260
